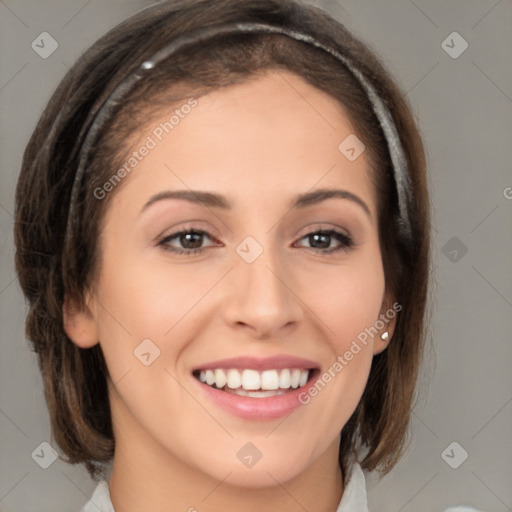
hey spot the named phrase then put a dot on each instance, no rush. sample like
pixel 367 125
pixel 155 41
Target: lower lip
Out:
pixel 267 408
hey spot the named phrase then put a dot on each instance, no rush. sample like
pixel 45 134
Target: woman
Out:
pixel 222 229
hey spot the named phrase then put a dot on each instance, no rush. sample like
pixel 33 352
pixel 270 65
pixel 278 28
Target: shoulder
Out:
pixel 100 499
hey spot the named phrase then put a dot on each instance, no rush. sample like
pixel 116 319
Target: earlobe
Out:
pixel 387 319
pixel 79 324
pixel 381 343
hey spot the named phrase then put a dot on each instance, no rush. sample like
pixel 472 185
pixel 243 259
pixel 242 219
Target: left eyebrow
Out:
pixel 317 196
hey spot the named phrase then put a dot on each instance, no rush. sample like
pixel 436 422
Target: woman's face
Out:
pixel 273 275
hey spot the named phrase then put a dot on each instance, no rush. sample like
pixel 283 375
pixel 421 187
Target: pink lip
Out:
pixel 268 363
pixel 267 408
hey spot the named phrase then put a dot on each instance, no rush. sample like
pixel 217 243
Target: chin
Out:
pixel 264 473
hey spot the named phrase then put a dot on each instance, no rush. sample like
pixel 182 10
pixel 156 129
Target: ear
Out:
pixel 80 324
pixel 387 316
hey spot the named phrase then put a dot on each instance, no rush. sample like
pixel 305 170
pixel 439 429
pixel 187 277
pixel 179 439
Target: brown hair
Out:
pixel 74 378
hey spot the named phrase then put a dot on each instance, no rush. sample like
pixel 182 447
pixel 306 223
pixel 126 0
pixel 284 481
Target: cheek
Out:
pixel 139 303
pixel 346 298
pixel 145 322
pixel 348 301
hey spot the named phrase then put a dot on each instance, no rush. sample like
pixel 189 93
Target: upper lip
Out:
pixel 267 363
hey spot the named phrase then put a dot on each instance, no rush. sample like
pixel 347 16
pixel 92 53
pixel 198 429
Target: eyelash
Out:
pixel 346 241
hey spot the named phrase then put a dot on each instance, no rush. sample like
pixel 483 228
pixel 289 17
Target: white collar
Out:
pixel 354 497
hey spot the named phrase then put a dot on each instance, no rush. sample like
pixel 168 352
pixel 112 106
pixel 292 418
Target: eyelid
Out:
pixel 188 226
pixel 176 234
pixel 323 226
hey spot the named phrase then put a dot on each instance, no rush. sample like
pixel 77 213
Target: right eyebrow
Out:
pixel 195 196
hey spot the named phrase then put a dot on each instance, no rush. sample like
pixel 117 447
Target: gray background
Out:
pixel 464 107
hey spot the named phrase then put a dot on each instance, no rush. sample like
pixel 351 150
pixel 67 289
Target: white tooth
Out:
pixel 295 378
pixel 250 379
pixel 269 380
pixel 234 379
pixel 284 379
pixel 210 377
pixel 220 378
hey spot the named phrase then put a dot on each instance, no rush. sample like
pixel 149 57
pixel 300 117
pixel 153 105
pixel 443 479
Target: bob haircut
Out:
pixel 75 379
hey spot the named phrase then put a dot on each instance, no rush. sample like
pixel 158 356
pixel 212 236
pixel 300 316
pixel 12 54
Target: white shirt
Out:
pixel 353 499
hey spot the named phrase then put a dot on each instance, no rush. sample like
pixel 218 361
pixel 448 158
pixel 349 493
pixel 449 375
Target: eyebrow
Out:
pixel 212 200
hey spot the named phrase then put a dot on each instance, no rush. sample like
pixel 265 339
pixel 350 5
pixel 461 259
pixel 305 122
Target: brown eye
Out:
pixel 191 241
pixel 320 241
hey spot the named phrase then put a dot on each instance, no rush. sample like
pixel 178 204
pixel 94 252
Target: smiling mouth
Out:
pixel 254 383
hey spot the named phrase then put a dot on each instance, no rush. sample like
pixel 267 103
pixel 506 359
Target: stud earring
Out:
pixel 384 336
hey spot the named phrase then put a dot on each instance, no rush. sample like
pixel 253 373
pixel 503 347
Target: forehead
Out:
pixel 272 133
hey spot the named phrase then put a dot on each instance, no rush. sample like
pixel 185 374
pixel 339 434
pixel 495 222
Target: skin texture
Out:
pixel 259 144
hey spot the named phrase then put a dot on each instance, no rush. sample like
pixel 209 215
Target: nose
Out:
pixel 262 299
